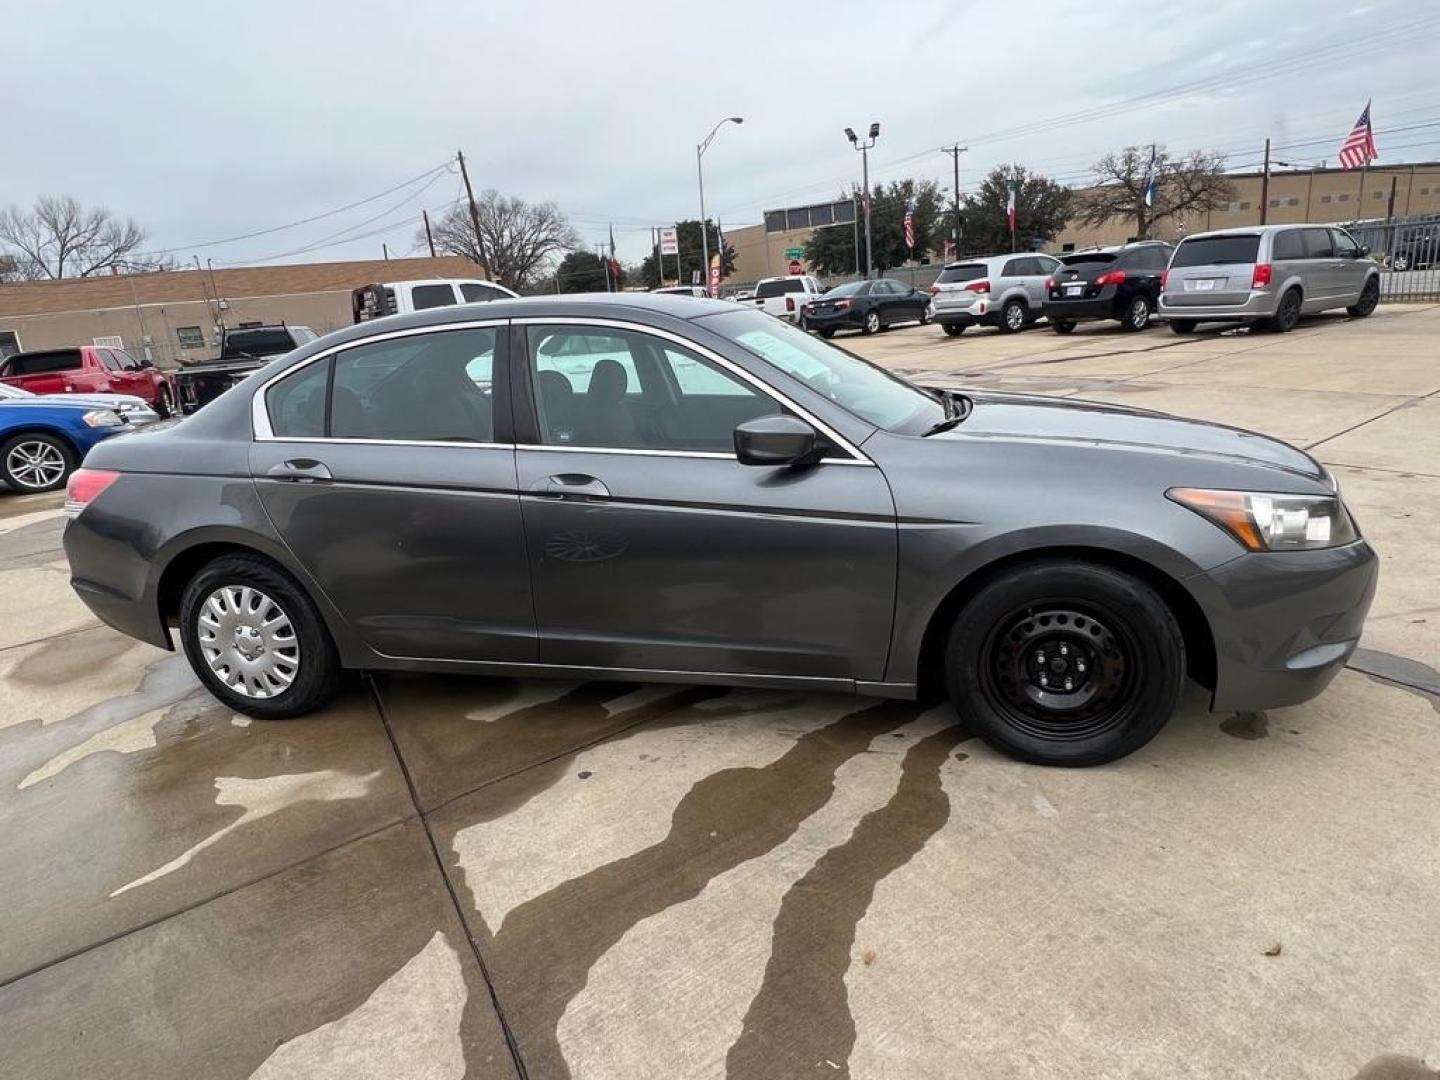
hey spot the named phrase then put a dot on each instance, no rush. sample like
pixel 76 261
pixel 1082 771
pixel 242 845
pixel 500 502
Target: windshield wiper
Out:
pixel 957 408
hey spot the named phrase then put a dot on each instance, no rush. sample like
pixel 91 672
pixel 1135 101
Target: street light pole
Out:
pixel 864 148
pixel 700 149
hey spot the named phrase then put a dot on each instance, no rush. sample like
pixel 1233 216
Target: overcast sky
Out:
pixel 207 120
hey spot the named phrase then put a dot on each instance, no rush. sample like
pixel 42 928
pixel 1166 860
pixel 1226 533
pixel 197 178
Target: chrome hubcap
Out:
pixel 1015 317
pixel 35 464
pixel 248 641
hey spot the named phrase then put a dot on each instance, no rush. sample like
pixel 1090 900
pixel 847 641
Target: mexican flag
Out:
pixel 1013 189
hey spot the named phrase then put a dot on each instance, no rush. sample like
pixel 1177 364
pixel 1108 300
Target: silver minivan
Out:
pixel 1271 274
pixel 1007 291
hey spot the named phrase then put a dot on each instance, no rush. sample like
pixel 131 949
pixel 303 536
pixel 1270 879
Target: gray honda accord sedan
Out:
pixel 673 489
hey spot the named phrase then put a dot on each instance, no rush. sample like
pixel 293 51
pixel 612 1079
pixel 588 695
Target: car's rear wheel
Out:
pixel 1062 326
pixel 952 329
pixel 872 322
pixel 34 461
pixel 826 334
pixel 256 640
pixel 1065 662
pixel 1287 314
pixel 1369 299
pixel 1182 326
pixel 1012 317
pixel 1137 314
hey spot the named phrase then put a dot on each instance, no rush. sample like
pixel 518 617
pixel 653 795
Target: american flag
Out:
pixel 910 224
pixel 1359 147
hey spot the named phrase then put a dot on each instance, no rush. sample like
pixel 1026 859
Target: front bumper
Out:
pixel 1284 623
pixel 1258 305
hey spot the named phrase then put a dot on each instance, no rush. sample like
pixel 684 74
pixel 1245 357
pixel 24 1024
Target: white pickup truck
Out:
pixel 402 297
pixel 786 297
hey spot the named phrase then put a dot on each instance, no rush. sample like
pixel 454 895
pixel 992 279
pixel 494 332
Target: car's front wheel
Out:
pixel 1065 662
pixel 256 640
pixel 1369 299
pixel 34 461
pixel 164 406
pixel 953 329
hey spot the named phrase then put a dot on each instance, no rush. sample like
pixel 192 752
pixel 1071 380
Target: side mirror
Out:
pixel 776 440
pixel 146 362
pixel 1364 251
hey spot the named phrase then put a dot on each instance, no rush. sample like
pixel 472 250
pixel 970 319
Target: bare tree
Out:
pixel 59 238
pixel 1191 184
pixel 520 239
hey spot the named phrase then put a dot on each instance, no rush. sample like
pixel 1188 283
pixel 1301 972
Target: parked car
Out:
pixel 1007 291
pixel 43 440
pixel 867 306
pixel 1416 248
pixel 132 410
pixel 786 297
pixel 666 489
pixel 1120 283
pixel 682 290
pixel 402 297
pixel 1271 274
pixel 244 350
pixel 89 369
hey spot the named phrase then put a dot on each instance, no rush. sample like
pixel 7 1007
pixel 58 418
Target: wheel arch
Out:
pixel 31 427
pixel 1200 657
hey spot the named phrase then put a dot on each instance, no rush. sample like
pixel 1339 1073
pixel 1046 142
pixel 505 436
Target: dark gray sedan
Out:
pixel 673 489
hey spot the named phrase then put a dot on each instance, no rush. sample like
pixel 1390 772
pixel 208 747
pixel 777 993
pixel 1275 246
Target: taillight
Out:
pixel 789 303
pixel 978 286
pixel 84 486
pixel 1164 277
pixel 1110 277
pixel 1261 277
pixel 1049 283
pixel 843 305
pixel 934 290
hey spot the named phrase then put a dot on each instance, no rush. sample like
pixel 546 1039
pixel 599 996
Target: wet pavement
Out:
pixel 446 877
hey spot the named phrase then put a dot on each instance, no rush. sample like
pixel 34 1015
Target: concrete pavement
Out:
pixel 469 877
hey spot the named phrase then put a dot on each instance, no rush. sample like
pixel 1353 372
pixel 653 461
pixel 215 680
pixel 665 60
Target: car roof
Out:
pixel 1255 230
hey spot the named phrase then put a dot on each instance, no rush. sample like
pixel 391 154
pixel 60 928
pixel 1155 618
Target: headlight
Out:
pixel 103 418
pixel 1264 522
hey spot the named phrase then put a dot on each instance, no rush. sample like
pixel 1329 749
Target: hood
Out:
pixel 93 401
pixel 1032 416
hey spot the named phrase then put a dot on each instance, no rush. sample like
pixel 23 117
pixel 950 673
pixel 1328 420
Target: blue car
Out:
pixel 41 444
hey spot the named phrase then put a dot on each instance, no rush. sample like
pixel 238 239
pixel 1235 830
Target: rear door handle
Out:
pixel 299 471
pixel 571 486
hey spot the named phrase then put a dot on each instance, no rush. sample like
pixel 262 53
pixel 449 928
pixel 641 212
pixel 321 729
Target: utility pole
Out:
pixel 1390 206
pixel 385 250
pixel 955 152
pixel 429 239
pixel 1265 185
pixel 474 214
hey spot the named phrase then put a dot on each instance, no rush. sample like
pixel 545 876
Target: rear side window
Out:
pixel 431 296
pixel 1288 245
pixel 416 389
pixel 476 293
pixel 1345 245
pixel 1318 245
pixel 297 404
pixel 43 363
pixel 964 272
pixel 1217 250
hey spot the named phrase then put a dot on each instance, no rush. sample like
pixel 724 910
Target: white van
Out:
pixel 401 297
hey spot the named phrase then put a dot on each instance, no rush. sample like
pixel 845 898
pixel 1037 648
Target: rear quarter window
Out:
pixel 1217 250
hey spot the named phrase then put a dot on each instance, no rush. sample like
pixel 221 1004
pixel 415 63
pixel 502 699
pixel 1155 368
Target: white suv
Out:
pixel 1007 291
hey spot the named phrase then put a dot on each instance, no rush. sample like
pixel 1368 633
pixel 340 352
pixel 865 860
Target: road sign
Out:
pixel 669 242
pixel 796 266
pixel 794 253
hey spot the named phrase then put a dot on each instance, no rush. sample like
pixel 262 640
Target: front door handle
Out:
pixel 571 486
pixel 299 471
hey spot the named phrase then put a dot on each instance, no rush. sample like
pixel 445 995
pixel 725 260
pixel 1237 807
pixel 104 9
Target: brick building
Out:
pixel 174 317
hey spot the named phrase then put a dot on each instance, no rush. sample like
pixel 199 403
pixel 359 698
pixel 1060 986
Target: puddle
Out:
pixel 1246 725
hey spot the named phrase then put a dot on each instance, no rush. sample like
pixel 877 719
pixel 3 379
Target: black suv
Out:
pixel 1121 283
pixel 1416 249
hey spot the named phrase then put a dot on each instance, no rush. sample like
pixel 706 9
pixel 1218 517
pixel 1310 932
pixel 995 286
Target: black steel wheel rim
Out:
pixel 1061 670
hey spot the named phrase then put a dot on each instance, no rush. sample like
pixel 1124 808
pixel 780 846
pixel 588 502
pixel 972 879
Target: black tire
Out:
pixel 34 461
pixel 1062 326
pixel 1369 300
pixel 1287 314
pixel 1182 326
pixel 826 334
pixel 1109 633
pixel 318 676
pixel 1013 317
pixel 1136 315
pixel 925 316
pixel 872 323
pixel 952 329
pixel 164 404
pixel 1400 263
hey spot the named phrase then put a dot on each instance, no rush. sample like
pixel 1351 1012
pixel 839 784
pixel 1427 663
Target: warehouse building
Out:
pixel 174 317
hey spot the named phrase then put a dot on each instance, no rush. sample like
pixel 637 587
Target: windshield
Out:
pixel 1217 250
pixel 856 385
pixel 1088 257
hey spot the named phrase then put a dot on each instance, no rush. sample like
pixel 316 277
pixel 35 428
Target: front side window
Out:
pixel 420 388
pixel 1318 245
pixel 626 390
pixel 127 362
pixel 1345 246
pixel 423 297
pixel 110 361
pixel 857 386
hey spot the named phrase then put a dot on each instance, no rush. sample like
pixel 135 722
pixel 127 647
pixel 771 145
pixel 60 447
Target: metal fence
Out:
pixel 1409 250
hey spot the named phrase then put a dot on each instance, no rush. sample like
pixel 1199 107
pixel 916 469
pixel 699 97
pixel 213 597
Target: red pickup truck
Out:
pixel 89 369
